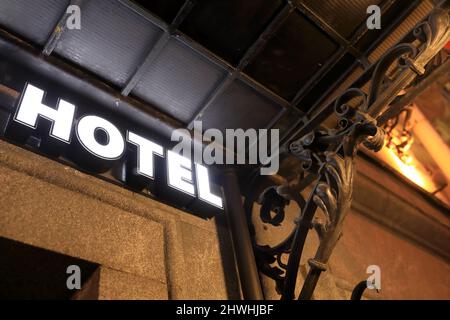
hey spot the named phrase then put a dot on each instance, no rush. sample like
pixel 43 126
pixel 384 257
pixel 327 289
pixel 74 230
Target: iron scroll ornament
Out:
pixel 327 159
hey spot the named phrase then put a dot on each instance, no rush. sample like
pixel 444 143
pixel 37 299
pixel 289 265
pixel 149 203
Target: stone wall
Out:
pixel 148 250
pixel 145 249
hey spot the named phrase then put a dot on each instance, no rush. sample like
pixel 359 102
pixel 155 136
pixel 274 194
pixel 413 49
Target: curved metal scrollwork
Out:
pixel 327 161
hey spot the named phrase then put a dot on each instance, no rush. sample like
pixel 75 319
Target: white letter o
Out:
pixel 115 145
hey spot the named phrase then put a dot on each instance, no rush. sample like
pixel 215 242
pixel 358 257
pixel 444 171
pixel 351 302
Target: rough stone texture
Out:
pixel 46 216
pixel 202 251
pixel 55 207
pixel 116 285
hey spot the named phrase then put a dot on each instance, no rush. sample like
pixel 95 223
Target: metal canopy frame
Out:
pixel 236 72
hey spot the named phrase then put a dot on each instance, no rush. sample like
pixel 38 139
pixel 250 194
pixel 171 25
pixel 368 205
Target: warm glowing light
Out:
pixel 407 169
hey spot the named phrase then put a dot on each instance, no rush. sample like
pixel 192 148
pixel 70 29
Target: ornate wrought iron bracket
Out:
pixel 327 160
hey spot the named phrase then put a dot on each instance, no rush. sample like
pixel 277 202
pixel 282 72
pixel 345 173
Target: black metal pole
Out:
pixel 245 258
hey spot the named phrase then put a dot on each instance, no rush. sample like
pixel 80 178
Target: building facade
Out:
pixel 138 237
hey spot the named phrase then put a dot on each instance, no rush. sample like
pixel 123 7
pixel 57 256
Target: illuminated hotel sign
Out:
pixel 102 140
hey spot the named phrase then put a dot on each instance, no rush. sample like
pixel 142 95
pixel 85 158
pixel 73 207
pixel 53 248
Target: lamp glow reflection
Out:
pixel 409 170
